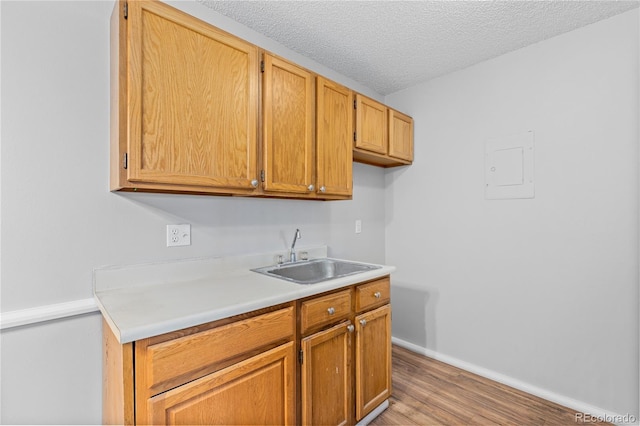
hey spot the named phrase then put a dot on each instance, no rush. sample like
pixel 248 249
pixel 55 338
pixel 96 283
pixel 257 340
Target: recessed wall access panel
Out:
pixel 508 167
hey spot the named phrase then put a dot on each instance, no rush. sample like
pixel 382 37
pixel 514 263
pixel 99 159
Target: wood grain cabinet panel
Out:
pixel 326 377
pixel 190 96
pixel 257 391
pixel 237 370
pixel 371 125
pixel 334 129
pixel 188 115
pixel 400 135
pixel 373 359
pixel 174 362
pixel 288 127
pixel 324 310
pixel 384 136
pixel 373 294
pixel 327 354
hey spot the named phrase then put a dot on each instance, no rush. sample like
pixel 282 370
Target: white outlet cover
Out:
pixel 178 235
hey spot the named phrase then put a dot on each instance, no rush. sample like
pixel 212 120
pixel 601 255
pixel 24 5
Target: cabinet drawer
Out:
pixel 325 310
pixel 229 396
pixel 171 363
pixel 372 294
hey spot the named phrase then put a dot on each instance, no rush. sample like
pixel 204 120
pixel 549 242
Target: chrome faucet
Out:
pixel 292 254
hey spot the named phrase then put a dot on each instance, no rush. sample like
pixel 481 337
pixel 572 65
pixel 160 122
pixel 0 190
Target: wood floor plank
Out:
pixel 428 392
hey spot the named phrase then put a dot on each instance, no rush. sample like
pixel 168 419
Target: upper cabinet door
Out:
pixel 192 101
pixel 334 139
pixel 288 154
pixel 400 135
pixel 371 125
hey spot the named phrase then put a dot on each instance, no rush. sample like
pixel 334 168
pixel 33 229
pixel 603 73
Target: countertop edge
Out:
pixel 283 293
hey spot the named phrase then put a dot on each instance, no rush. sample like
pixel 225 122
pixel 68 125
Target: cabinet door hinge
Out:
pixel 355 104
pixel 354 137
pixel 125 161
pixel 126 10
pixel 301 357
pixel 262 175
pixel 261 66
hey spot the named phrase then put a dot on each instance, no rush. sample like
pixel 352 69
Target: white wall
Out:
pixel 542 291
pixel 59 221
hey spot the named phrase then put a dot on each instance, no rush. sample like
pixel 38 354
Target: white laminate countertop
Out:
pixel 141 301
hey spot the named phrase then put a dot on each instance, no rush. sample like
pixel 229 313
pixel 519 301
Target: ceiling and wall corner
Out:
pixel 392 45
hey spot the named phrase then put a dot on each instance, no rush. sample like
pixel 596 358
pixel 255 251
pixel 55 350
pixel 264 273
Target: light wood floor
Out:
pixel 429 392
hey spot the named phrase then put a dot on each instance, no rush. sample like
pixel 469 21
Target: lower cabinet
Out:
pixel 326 384
pixel 257 391
pixel 239 370
pixel 373 359
pixel 323 360
pixel 345 363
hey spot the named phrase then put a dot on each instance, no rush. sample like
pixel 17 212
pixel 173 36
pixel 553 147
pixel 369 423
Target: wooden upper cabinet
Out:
pixel 334 127
pixel 371 125
pixel 192 112
pixel 288 119
pixel 400 135
pixel 191 98
pixel 383 136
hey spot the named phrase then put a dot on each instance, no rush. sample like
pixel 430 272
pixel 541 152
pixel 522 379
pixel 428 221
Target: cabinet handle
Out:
pixel 323 189
pixel 331 311
pixel 377 295
pixel 254 183
pixel 310 187
pixel 363 322
pixel 350 328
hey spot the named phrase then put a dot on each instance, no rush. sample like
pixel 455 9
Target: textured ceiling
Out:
pixel 391 45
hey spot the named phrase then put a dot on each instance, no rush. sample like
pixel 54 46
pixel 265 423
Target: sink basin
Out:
pixel 315 271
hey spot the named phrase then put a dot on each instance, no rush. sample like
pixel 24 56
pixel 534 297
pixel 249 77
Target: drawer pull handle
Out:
pixel 377 295
pixel 331 311
pixel 363 322
pixel 350 328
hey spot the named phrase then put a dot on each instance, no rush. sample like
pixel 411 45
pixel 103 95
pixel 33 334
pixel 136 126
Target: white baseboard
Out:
pixel 46 313
pixel 579 406
pixel 374 413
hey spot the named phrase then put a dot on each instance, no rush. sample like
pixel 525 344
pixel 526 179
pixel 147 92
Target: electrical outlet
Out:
pixel 178 235
pixel 358 226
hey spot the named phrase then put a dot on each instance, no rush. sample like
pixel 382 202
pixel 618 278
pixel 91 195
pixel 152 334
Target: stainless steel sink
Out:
pixel 315 271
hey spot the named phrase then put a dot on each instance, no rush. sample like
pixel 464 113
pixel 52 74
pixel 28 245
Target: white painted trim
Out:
pixel 46 313
pixel 374 413
pixel 574 404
